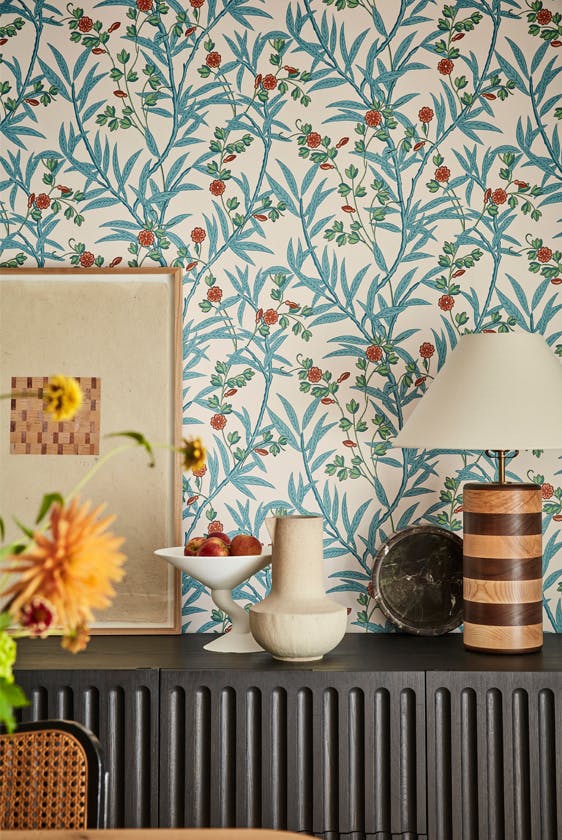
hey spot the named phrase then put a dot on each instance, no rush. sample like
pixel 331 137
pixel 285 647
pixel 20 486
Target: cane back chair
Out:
pixel 51 777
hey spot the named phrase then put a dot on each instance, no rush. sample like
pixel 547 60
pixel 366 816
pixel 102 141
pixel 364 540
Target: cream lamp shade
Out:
pixel 497 391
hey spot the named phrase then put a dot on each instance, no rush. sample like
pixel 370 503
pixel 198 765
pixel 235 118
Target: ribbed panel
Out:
pixel 278 752
pixel 469 764
pixel 115 755
pixel 198 745
pixel 302 757
pixel 382 787
pixel 494 760
pixel 443 779
pixel 122 710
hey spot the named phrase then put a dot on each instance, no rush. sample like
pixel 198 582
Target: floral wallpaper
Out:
pixel 349 185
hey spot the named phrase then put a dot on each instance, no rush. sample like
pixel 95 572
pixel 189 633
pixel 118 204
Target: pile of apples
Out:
pixel 219 544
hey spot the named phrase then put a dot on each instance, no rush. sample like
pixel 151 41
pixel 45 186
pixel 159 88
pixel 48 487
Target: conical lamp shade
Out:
pixel 495 391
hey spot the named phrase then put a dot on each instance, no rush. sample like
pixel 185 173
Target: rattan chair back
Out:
pixel 51 777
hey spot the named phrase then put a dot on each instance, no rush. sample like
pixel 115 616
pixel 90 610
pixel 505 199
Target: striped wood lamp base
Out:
pixel 502 567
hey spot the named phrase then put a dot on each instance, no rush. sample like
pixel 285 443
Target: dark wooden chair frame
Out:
pixel 97 775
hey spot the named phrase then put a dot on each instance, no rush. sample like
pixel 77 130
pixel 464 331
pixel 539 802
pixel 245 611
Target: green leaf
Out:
pixel 138 438
pixel 48 500
pixel 11 697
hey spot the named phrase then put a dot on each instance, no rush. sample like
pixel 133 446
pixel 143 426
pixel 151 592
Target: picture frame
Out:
pixel 119 332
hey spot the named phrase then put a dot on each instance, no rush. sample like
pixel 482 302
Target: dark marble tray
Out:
pixel 417 580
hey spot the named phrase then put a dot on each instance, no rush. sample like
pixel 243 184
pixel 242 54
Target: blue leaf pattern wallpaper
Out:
pixel 348 186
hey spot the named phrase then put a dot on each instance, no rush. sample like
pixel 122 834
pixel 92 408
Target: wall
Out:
pixel 349 186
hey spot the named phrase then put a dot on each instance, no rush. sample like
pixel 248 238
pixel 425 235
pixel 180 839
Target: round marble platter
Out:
pixel 417 580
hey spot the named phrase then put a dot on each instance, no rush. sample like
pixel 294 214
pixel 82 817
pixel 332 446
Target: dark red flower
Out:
pixel 218 421
pixel 196 4
pixel 86 259
pixel 85 23
pixel 543 254
pixel 445 66
pixel 37 616
pixel 214 294
pixel 446 302
pixel 144 5
pixel 499 196
pixel 425 114
pixel 145 238
pixel 342 142
pixel 426 350
pixel 198 235
pixel 314 374
pixel 199 473
pixel 269 82
pixel 373 118
pixel 544 16
pixel 42 201
pixel 270 317
pixel 213 59
pixel 114 26
pixel 547 490
pixel 374 353
pixel 215 527
pixel 217 187
pixel 313 140
pixel 30 200
pixel 442 174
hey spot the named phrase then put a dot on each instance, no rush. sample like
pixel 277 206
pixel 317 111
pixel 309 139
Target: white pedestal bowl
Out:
pixel 221 575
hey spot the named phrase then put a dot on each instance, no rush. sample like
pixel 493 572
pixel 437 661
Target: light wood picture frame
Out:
pixel 119 332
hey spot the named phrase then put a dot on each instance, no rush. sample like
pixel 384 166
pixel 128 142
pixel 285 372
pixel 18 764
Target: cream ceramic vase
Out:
pixel 297 622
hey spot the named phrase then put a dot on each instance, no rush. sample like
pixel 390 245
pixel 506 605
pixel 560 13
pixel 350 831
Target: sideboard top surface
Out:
pixel 357 652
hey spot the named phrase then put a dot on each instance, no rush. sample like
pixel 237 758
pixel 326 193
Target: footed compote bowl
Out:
pixel 221 575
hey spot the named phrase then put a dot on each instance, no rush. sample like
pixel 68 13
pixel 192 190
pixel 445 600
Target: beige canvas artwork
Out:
pixel 118 333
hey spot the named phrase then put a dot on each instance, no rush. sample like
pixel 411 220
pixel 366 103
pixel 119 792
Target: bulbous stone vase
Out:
pixel 296 622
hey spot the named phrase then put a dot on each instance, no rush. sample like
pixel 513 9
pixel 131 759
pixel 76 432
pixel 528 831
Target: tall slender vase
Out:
pixel 297 622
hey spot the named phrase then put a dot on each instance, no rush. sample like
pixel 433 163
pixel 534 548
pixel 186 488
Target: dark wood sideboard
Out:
pixel 387 737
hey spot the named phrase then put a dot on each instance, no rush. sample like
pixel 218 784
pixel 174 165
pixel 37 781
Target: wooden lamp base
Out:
pixel 502 568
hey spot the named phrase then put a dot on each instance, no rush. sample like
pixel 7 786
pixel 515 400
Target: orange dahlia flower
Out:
pixel 72 566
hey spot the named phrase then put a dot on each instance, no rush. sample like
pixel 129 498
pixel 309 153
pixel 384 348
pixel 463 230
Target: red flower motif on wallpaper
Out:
pixel 213 59
pixel 425 114
pixel 445 66
pixel 313 140
pixel 218 422
pixel 214 294
pixel 198 235
pixel 374 353
pixel 145 238
pixel 373 118
pixel 217 187
pixel 442 174
pixel 446 302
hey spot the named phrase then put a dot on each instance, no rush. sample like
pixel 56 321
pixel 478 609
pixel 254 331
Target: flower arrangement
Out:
pixel 63 568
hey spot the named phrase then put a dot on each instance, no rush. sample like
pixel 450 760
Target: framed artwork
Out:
pixel 119 333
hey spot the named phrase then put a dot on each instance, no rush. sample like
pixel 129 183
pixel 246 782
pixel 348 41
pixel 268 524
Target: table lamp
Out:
pixel 498 392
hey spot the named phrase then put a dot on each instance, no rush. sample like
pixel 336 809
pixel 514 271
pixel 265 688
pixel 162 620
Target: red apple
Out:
pixel 221 535
pixel 213 547
pixel 245 544
pixel 192 546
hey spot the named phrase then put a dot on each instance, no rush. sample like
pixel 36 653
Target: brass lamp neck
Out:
pixel 501 455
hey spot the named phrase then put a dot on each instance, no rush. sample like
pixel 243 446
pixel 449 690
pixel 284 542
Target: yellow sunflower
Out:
pixel 62 397
pixel 72 566
pixel 193 454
